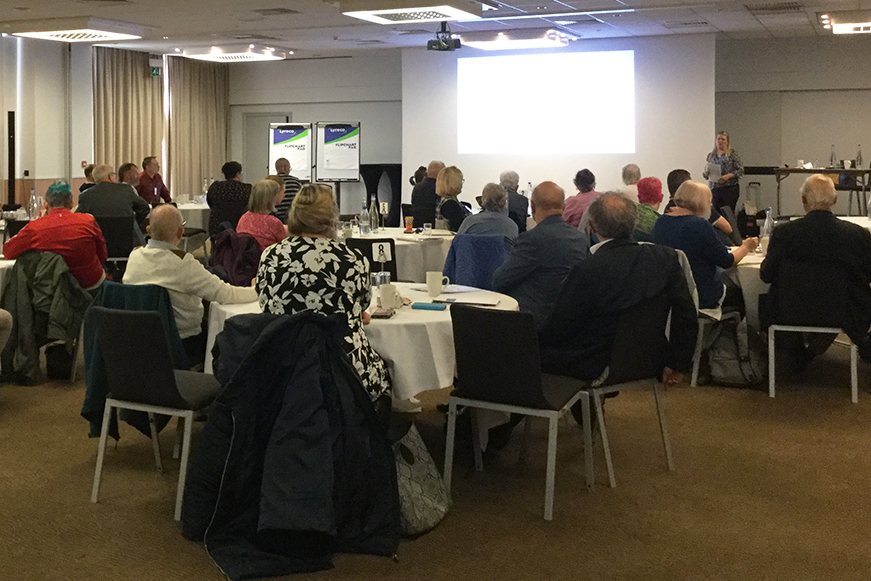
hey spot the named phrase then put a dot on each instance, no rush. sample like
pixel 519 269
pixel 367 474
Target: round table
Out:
pixel 417 254
pixel 196 215
pixel 417 345
pixel 751 286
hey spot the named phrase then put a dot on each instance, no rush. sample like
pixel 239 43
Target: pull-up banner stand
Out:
pixel 338 152
pixel 292 141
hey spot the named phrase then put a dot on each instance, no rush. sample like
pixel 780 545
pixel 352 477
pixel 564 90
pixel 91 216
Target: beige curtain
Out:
pixel 128 107
pixel 198 122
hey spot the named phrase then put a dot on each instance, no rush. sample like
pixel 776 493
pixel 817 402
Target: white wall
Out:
pixel 788 99
pixel 674 80
pixel 365 87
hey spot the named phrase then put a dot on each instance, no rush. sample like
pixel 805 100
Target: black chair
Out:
pixel 507 379
pixel 637 360
pixel 729 215
pixel 117 232
pixel 381 253
pixel 13 227
pixel 141 377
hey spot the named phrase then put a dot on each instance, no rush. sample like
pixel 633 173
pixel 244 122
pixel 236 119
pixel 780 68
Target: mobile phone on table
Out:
pixel 382 313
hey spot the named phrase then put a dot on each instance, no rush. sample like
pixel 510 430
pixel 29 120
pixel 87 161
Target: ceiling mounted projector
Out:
pixel 444 40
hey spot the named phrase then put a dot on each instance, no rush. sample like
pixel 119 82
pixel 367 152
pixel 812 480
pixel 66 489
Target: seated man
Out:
pixel 149 184
pixel 493 220
pixel 424 198
pixel 76 237
pixel 188 281
pixel 109 199
pixel 620 273
pixel 518 205
pixel 819 268
pixel 541 257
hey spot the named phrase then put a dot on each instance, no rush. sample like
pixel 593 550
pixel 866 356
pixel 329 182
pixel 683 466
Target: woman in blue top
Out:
pixel 724 188
pixel 686 227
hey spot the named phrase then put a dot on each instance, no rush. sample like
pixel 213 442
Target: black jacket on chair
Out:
pixel 819 268
pixel 577 338
pixel 293 463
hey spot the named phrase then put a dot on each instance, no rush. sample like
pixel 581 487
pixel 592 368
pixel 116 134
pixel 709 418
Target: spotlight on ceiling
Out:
pixel 78 29
pixel 404 11
pixel 236 53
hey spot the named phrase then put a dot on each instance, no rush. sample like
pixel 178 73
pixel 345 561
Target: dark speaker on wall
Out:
pixel 10 128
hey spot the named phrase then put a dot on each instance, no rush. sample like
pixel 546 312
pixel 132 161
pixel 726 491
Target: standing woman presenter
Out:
pixel 723 170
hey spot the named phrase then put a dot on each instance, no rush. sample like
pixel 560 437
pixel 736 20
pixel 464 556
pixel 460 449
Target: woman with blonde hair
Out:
pixel 723 170
pixel 258 221
pixel 450 212
pixel 310 270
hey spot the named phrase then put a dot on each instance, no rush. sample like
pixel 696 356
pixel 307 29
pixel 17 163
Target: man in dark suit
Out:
pixel 620 273
pixel 109 199
pixel 542 257
pixel 819 268
pixel 424 198
pixel 518 205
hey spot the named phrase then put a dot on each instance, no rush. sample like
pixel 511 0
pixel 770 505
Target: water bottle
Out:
pixel 529 189
pixel 34 205
pixel 374 215
pixel 205 186
pixel 859 157
pixel 833 159
pixel 364 220
pixel 765 232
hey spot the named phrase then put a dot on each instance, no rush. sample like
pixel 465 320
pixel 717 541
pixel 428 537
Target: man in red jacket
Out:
pixel 76 237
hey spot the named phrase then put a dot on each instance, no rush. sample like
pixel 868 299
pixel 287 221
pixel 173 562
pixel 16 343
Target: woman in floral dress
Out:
pixel 311 271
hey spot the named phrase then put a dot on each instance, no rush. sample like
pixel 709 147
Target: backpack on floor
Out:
pixel 737 356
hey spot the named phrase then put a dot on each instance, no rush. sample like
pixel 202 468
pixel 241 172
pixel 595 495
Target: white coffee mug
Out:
pixel 435 283
pixel 390 297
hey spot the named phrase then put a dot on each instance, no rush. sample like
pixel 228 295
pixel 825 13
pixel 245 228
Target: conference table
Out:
pixel 416 254
pixel 417 345
pixel 860 175
pixel 747 273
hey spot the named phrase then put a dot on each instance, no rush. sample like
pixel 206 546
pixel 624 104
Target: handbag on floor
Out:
pixel 423 498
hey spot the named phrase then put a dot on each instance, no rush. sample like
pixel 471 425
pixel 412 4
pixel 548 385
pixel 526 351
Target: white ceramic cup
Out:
pixel 390 297
pixel 435 283
pixel 763 244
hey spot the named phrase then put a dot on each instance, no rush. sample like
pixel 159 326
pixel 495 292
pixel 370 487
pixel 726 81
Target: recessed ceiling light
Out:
pixel 79 29
pixel 565 22
pixel 237 53
pixel 518 39
pixel 404 11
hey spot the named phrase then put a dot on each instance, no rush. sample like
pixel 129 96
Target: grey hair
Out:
pixel 693 196
pixel 613 215
pixel 102 172
pixel 819 192
pixel 509 180
pixel 164 222
pixel 59 195
pixel 631 174
pixel 494 198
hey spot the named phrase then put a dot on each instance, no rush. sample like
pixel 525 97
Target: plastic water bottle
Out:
pixel 529 189
pixel 833 158
pixel 364 220
pixel 34 205
pixel 765 232
pixel 374 215
pixel 859 157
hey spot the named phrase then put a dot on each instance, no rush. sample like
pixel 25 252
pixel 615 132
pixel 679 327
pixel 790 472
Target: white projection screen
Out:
pixel 581 102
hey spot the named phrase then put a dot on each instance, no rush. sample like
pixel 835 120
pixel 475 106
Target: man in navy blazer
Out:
pixel 620 273
pixel 542 257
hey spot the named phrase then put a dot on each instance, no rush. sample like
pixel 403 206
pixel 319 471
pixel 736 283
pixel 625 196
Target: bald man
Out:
pixel 188 282
pixel 819 268
pixel 542 257
pixel 424 198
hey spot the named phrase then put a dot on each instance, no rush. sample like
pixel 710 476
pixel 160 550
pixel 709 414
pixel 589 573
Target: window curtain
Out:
pixel 199 110
pixel 128 107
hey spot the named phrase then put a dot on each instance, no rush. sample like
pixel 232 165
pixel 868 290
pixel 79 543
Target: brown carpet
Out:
pixel 764 489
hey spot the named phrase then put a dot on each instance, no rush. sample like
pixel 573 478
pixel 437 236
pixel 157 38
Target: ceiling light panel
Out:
pixel 404 11
pixel 236 54
pixel 78 29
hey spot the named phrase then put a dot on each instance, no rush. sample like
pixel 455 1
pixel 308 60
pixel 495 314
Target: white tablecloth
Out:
pixel 196 215
pixel 417 345
pixel 417 254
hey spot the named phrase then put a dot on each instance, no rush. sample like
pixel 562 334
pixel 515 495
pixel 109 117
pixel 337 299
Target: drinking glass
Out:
pixel 427 229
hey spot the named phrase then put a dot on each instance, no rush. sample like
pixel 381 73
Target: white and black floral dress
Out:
pixel 325 276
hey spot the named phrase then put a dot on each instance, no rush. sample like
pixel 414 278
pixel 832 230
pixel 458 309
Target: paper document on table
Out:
pixel 714 172
pixel 449 288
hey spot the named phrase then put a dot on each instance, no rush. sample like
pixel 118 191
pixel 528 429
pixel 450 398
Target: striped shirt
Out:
pixel 291 187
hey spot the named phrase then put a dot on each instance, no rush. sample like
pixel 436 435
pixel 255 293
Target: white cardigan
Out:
pixel 187 281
